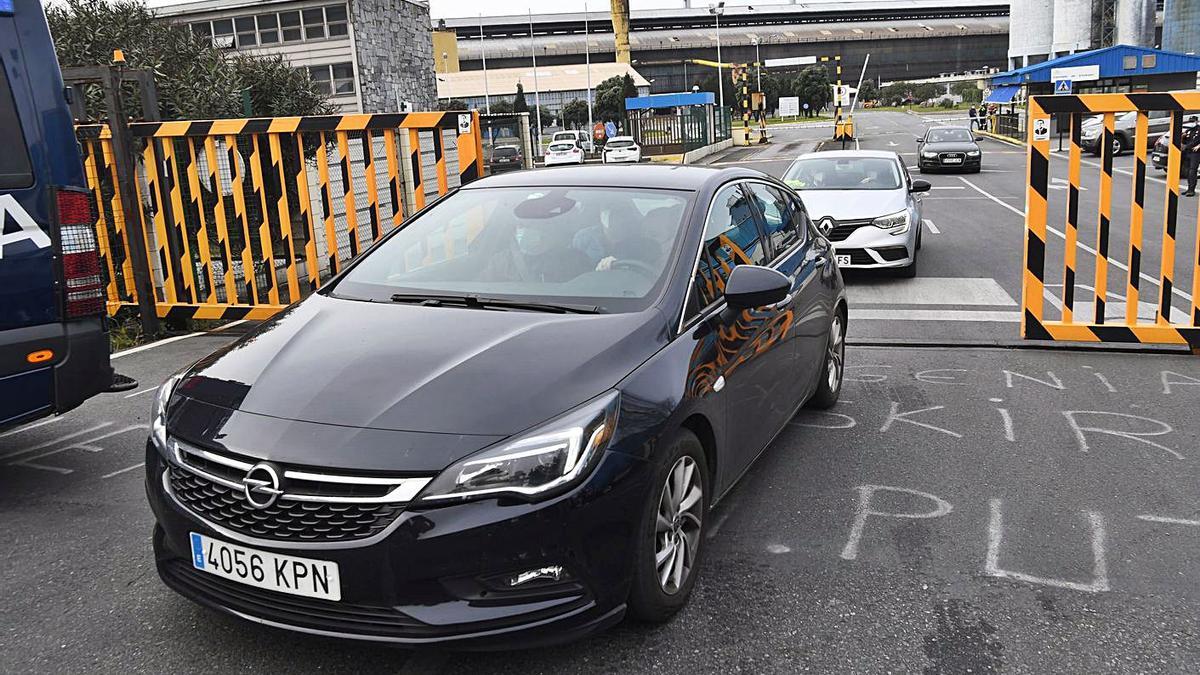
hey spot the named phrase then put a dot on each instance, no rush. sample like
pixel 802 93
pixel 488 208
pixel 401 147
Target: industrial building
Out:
pixel 553 86
pixel 1181 26
pixel 907 39
pixel 1040 30
pixel 367 56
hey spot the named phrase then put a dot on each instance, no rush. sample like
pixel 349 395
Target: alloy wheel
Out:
pixel 677 526
pixel 837 354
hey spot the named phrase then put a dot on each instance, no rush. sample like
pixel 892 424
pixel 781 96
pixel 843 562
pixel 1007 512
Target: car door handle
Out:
pixel 787 300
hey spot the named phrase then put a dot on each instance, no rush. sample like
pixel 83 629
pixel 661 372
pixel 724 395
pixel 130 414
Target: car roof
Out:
pixel 621 138
pixel 654 176
pixel 949 126
pixel 880 154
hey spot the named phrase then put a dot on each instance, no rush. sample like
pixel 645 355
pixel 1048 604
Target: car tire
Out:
pixel 910 270
pixel 650 598
pixel 920 234
pixel 1119 144
pixel 833 369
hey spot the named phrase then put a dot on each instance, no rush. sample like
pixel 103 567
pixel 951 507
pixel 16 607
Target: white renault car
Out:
pixel 622 149
pixel 865 203
pixel 564 152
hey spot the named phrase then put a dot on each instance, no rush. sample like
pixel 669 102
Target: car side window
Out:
pixel 731 238
pixel 782 219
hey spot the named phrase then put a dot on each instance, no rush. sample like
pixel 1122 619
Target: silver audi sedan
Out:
pixel 865 203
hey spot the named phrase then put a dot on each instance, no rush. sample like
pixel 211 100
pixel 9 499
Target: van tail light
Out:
pixel 80 255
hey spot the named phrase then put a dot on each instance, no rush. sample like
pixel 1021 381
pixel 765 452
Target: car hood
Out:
pixel 958 146
pixel 852 204
pixel 423 369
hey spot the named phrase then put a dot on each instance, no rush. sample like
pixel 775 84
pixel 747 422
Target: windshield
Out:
pixel 949 136
pixel 506 151
pixel 607 247
pixel 15 170
pixel 620 144
pixel 559 147
pixel 844 173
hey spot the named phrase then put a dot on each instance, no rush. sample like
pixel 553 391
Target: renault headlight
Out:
pixel 536 463
pixel 929 155
pixel 158 410
pixel 896 223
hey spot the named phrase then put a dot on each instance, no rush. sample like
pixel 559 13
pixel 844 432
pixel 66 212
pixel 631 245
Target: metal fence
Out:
pixel 1170 316
pixel 243 217
pixel 679 131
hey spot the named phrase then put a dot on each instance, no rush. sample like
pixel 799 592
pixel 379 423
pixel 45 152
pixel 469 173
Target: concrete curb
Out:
pixel 1002 139
pixel 1018 344
pixel 701 153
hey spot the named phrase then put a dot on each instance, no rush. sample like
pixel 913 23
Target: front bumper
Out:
pixel 872 248
pixel 425 581
pixel 936 164
pixel 622 158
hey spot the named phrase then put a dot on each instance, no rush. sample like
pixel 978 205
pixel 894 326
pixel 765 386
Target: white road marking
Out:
pixel 931 291
pixel 28 427
pixel 139 393
pixel 930 226
pixel 121 471
pixel 949 187
pixel 1099 564
pixel 49 443
pixel 864 511
pixel 1112 261
pixel 1170 521
pixel 152 345
pixel 934 315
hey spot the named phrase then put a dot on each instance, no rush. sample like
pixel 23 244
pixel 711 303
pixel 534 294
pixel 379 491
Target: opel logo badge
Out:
pixel 826 225
pixel 261 485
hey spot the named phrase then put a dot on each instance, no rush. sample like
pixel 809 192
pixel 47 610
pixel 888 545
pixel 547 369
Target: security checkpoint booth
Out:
pixel 668 124
pixel 1120 69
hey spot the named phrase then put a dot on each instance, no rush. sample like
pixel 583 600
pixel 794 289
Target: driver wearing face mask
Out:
pixel 619 236
pixel 533 256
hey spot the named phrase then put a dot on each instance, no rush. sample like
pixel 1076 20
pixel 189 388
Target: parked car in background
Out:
pixel 949 148
pixel 622 149
pixel 506 158
pixel 1159 154
pixel 1125 129
pixel 865 202
pixel 581 138
pixel 539 455
pixel 564 152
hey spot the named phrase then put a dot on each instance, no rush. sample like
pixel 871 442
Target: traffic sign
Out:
pixel 610 129
pixel 1062 87
pixel 598 131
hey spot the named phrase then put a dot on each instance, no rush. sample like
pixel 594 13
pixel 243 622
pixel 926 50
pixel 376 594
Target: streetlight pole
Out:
pixel 587 51
pixel 716 10
pixel 537 92
pixel 758 64
pixel 487 101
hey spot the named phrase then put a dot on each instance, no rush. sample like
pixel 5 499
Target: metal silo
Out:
pixel 1030 31
pixel 1135 22
pixel 1072 26
pixel 1181 26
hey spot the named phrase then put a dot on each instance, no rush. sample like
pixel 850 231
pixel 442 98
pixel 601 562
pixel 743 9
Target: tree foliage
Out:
pixel 502 106
pixel 575 114
pixel 969 91
pixel 610 98
pixel 453 104
pixel 813 87
pixel 194 79
pixel 519 103
pixel 869 91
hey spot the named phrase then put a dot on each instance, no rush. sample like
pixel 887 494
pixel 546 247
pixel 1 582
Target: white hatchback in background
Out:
pixel 622 149
pixel 865 203
pixel 564 152
pixel 580 138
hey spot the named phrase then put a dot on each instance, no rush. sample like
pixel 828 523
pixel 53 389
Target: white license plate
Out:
pixel 283 573
pixel 842 260
pixel 952 160
pixel 1157 158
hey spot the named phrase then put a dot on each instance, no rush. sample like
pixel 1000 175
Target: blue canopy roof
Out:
pixel 669 100
pixel 1003 93
pixel 1111 61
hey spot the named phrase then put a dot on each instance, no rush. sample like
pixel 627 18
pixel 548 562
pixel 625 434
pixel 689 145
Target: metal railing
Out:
pixel 680 131
pixel 245 216
pixel 1173 316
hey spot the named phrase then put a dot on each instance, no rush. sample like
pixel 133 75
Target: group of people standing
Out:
pixel 979 116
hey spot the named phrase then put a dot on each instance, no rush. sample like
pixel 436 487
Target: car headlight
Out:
pixel 158 410
pixel 973 153
pixel 896 223
pixel 538 462
pixel 1090 133
pixel 929 155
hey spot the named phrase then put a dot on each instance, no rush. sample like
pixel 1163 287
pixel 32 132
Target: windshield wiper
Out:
pixel 478 302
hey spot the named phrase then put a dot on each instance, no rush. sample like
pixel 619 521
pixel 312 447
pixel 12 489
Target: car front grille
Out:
pixel 842 230
pixel 952 155
pixel 311 507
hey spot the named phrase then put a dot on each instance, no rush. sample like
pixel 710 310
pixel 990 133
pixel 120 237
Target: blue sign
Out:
pixel 6 6
pixel 1062 86
pixel 610 129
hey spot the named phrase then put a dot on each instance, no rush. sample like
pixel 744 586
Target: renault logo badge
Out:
pixel 261 485
pixel 826 225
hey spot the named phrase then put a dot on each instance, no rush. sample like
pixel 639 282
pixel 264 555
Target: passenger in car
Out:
pixel 535 253
pixel 619 236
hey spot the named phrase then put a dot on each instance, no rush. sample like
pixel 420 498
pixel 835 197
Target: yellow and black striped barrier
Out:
pixel 1181 327
pixel 244 216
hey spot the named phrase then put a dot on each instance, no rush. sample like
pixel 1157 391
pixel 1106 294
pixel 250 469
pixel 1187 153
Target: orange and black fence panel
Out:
pixel 244 217
pixel 1123 257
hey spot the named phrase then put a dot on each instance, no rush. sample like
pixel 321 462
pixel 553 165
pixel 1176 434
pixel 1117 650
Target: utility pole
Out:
pixel 587 51
pixel 717 10
pixel 537 92
pixel 487 101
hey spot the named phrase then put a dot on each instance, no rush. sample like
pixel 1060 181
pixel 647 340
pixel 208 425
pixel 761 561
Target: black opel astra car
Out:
pixel 505 423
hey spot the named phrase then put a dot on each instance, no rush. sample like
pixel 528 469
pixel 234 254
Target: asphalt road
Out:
pixel 961 510
pixel 974 237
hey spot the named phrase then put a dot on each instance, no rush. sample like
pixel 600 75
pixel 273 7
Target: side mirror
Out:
pixel 753 286
pixel 920 140
pixel 920 186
